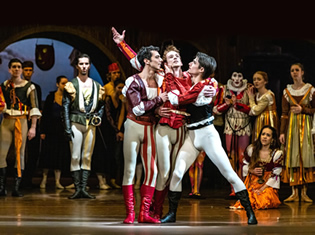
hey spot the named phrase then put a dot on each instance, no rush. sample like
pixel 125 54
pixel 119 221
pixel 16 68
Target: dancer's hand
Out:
pixel 117 37
pixel 164 96
pixel 120 136
pixel 31 133
pixel 259 191
pixel 168 69
pixel 164 112
pixel 257 171
pixel 296 109
pixel 250 91
pixel 210 91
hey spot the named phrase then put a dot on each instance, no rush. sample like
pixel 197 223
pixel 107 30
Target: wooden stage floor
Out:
pixel 45 212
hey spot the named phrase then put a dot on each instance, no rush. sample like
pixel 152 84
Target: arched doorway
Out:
pixel 61 56
pixel 85 42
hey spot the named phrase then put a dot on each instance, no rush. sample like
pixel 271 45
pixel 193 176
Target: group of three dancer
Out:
pixel 171 98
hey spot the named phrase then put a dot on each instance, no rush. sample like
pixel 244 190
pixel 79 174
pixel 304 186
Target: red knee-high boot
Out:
pixel 159 198
pixel 129 203
pixel 146 193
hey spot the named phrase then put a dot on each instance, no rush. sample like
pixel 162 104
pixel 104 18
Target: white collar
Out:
pixel 237 89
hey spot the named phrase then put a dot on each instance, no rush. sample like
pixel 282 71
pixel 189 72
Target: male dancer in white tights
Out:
pixel 83 107
pixel 202 135
pixel 170 131
pixel 143 96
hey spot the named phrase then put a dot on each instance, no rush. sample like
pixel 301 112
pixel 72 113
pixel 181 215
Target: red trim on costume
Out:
pixel 223 107
pixel 242 107
pixel 152 155
pixel 145 153
pixel 126 50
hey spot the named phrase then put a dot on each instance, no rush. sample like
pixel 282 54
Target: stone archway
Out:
pixel 82 40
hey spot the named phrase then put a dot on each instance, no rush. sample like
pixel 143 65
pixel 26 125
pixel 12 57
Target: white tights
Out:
pixel 168 143
pixel 82 146
pixel 139 139
pixel 207 139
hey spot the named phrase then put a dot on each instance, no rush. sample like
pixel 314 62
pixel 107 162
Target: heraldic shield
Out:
pixel 45 56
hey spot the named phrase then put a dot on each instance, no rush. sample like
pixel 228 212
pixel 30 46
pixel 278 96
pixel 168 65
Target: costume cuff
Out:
pixel 35 112
pixel 139 109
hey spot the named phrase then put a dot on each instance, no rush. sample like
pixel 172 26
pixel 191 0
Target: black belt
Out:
pixel 87 115
pixel 200 126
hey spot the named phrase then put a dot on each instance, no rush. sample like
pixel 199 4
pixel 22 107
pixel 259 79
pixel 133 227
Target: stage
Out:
pixel 49 211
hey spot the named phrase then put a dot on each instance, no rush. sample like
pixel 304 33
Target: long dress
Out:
pixel 269 198
pixel 265 110
pixel 55 153
pixel 299 162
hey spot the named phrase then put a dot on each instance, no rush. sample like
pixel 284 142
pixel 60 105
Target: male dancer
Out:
pixel 202 135
pixel 170 131
pixel 143 96
pixel 20 102
pixel 33 145
pixel 83 107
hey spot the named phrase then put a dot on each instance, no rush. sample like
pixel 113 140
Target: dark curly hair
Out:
pixel 146 53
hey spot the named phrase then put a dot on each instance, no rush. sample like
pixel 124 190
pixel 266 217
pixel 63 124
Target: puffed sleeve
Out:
pixel 132 91
pixel 246 160
pixel 34 101
pixel 256 109
pixel 274 180
pixel 69 88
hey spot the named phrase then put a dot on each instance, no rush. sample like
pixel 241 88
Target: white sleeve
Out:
pixel 249 150
pixel 173 97
pixel 201 99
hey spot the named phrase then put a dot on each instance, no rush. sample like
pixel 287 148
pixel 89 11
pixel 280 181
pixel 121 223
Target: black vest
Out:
pixel 20 94
pixel 198 113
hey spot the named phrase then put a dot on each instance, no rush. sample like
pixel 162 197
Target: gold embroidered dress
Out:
pixel 299 161
pixel 265 110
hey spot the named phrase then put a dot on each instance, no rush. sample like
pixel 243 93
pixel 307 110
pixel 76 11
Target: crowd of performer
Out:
pixel 162 116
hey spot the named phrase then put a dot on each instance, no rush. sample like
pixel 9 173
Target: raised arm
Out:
pixel 130 54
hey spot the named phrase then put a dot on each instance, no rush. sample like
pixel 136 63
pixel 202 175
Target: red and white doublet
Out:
pixel 237 127
pixel 139 129
pixel 139 135
pixel 170 132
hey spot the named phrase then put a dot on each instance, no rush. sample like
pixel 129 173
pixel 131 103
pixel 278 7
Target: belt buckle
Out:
pixel 96 120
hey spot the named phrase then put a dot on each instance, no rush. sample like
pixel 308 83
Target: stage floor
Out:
pixel 49 211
